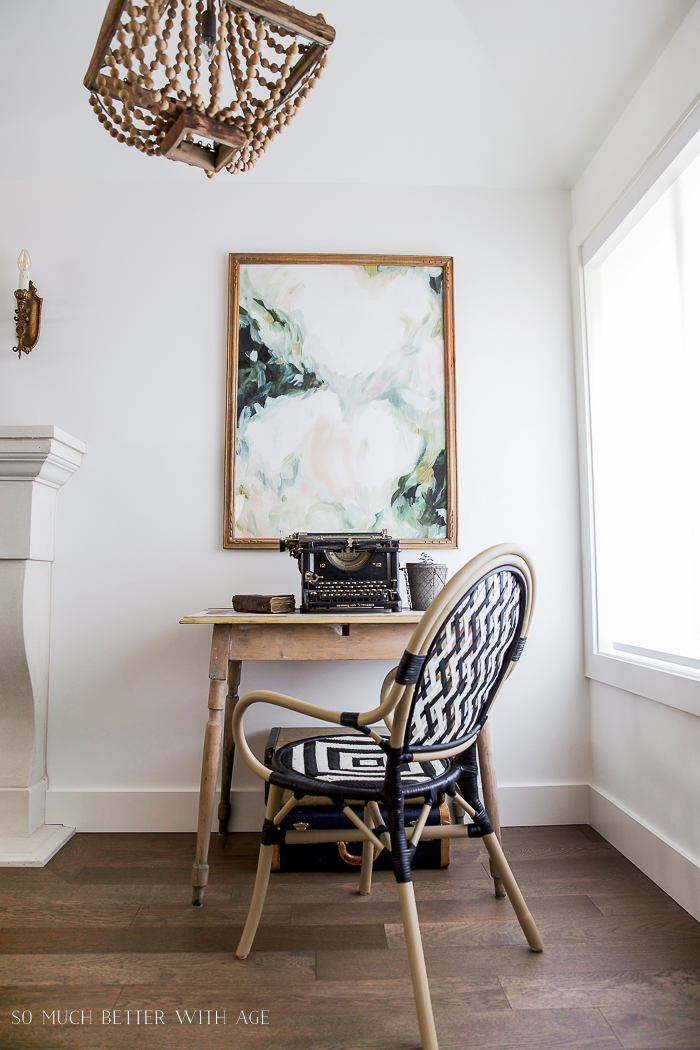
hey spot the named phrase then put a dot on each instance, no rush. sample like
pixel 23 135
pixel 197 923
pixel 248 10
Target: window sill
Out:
pixel 667 684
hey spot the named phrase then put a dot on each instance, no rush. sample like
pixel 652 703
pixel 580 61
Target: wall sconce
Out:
pixel 28 312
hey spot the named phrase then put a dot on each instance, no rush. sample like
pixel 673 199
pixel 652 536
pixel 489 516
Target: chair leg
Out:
pixel 401 863
pixel 367 857
pixel 511 887
pixel 489 786
pixel 261 880
pixel 419 976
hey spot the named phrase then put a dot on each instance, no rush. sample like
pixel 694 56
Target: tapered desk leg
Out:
pixel 490 789
pixel 210 759
pixel 234 680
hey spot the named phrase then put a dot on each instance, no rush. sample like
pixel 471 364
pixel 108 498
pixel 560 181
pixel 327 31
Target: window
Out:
pixel 642 305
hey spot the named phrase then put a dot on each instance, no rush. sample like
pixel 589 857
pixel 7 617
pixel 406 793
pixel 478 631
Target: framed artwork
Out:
pixel 340 398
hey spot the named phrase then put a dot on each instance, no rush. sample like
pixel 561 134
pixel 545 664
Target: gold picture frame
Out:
pixel 318 426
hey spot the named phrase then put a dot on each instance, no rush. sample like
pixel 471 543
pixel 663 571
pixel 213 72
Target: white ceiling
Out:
pixel 488 93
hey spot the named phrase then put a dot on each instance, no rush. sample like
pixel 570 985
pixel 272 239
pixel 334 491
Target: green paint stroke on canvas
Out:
pixel 268 370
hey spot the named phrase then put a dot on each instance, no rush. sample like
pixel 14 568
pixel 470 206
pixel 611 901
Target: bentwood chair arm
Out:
pixel 389 700
pixel 384 693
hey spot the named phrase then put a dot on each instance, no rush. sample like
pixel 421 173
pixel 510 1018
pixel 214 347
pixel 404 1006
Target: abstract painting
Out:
pixel 340 398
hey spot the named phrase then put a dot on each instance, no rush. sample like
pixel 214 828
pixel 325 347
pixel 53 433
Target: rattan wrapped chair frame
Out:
pixel 434 703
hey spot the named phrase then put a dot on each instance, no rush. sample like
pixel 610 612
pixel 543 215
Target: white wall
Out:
pixel 644 780
pixel 132 360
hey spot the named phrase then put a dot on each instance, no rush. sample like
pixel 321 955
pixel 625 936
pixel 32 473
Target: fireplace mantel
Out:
pixel 35 461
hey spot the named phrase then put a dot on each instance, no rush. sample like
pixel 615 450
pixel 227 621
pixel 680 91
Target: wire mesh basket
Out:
pixel 424 581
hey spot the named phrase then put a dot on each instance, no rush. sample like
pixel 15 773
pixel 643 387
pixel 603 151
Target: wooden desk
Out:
pixel 285 636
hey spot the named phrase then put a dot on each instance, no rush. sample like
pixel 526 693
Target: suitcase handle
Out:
pixel 354 858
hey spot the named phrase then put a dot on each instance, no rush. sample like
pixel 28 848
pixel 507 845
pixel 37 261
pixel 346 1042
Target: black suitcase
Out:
pixel 318 813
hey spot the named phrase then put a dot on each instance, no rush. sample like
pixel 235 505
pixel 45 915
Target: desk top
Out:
pixel 229 616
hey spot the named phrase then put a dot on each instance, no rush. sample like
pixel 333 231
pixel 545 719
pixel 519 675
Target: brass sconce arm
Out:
pixel 28 319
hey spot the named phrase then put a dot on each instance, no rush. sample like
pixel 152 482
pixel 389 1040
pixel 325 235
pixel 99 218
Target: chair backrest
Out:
pixel 470 639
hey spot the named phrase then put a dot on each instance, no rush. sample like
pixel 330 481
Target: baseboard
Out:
pixel 531 804
pixel 666 863
pixel 148 810
pixel 35 850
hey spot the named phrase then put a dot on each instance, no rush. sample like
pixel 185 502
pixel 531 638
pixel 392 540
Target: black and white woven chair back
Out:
pixel 466 661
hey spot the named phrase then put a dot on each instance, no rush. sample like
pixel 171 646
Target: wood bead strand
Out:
pixel 215 69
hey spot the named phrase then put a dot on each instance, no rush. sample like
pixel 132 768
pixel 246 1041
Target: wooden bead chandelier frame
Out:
pixel 161 68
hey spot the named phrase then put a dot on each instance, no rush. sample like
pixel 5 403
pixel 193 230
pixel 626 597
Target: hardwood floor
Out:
pixel 101 948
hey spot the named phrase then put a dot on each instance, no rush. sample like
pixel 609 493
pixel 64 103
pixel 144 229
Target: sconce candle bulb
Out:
pixel 24 263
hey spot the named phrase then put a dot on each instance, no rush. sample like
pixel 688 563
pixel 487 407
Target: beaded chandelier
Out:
pixel 161 68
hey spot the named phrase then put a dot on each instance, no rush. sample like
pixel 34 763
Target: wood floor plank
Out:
pixel 291 1002
pixel 36 996
pixel 583 849
pixel 365 1036
pixel 165 874
pixel 623 989
pixel 631 931
pixel 451 987
pixel 646 904
pixel 451 934
pixel 73 857
pixel 29 881
pixel 457 874
pixel 124 846
pixel 487 907
pixel 183 914
pixel 47 914
pixel 591 833
pixel 174 850
pixel 571 906
pixel 607 864
pixel 676 1028
pixel 186 938
pixel 520 1030
pixel 359 910
pixel 507 959
pixel 346 889
pixel 119 894
pixel 634 885
pixel 549 834
pixel 193 968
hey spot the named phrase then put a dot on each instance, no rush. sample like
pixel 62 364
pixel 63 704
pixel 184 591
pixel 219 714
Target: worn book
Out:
pixel 263 603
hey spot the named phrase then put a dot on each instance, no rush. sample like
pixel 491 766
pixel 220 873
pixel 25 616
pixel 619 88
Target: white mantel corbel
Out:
pixel 34 463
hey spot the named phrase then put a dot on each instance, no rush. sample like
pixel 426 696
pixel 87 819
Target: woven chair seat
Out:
pixel 349 765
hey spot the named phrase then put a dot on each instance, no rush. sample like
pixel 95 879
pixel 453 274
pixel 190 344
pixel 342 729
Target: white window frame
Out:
pixel 667 683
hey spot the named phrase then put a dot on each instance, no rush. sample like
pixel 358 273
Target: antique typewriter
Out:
pixel 346 571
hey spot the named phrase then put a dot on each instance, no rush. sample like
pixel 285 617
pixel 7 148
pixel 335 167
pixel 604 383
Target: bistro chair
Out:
pixel 435 704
